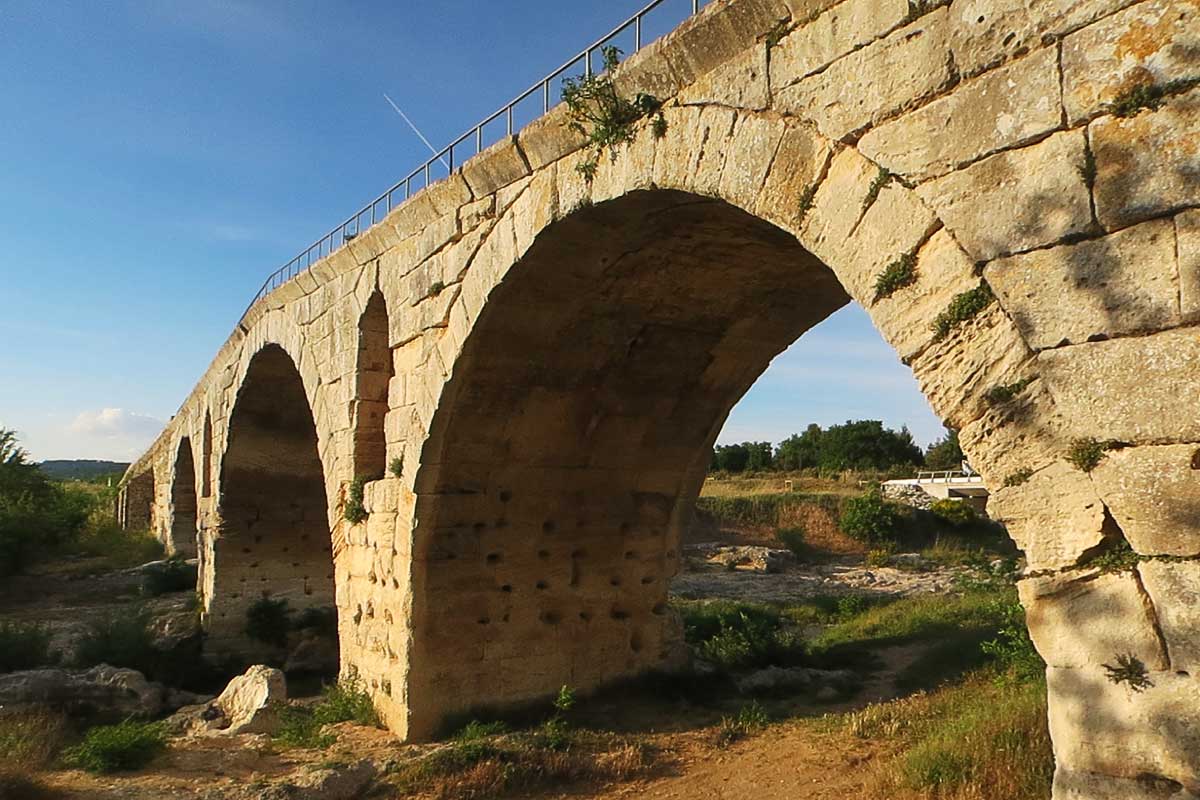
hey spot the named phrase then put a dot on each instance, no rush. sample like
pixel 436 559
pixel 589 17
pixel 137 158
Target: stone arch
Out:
pixel 273 539
pixel 184 506
pixel 373 376
pixel 138 504
pixel 206 444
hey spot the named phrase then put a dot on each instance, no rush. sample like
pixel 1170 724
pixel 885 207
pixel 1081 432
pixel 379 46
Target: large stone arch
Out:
pixel 181 538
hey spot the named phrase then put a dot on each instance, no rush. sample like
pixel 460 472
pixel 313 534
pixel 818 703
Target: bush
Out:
pixel 173 575
pixel 1012 649
pixel 871 519
pixel 345 701
pixel 24 646
pixel 737 636
pixel 127 745
pixel 267 621
pixel 956 512
pixel 793 539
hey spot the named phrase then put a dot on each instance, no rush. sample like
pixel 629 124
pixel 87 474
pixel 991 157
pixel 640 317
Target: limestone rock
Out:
pixel 102 690
pixel 822 40
pixel 1187 238
pixel 1174 588
pixel 1154 495
pixel 348 782
pixel 758 559
pixel 247 702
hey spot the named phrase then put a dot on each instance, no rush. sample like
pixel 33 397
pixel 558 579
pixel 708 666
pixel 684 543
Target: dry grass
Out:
pixel 29 743
pixel 848 483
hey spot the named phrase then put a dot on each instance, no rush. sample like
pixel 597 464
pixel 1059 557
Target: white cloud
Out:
pixel 115 423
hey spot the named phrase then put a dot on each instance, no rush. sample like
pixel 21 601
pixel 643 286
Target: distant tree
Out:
pixel 866 445
pixel 760 456
pixel 945 453
pixel 731 457
pixel 800 450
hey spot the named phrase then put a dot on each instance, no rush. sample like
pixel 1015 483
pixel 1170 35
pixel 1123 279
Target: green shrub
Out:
pixel 396 467
pixel 1018 477
pixel 793 539
pixel 475 730
pixel 961 309
pixel 750 719
pixel 900 273
pixel 127 745
pixel 24 645
pixel 1012 649
pixel 956 512
pixel 871 519
pixel 345 701
pixel 268 621
pixel 878 557
pixel 1005 393
pixel 1086 454
pixel 355 512
pixel 737 636
pixel 173 575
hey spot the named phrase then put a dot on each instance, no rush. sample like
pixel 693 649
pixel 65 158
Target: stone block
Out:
pixel 1005 108
pixel 986 32
pixel 1154 495
pixel 547 138
pixel 875 82
pixel 1147 165
pixel 752 150
pixel 1187 243
pixel 496 167
pixel 798 167
pixel 1128 389
pixel 1082 621
pixel 820 41
pixel 1041 189
pixel 1055 516
pixel 1121 284
pixel 1151 43
pixel 739 83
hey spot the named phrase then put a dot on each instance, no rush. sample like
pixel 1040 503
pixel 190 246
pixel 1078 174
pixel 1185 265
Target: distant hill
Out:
pixel 82 469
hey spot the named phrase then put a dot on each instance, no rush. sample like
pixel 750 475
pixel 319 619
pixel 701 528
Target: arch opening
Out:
pixel 569 447
pixel 272 556
pixel 184 521
pixel 138 504
pixel 374 375
pixel 206 457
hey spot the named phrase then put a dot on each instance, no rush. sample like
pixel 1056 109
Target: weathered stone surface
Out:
pixel 1070 618
pixel 739 83
pixel 1149 44
pixel 1081 785
pixel 987 32
pixel 1154 495
pixel 799 165
pixel 1110 729
pixel 247 703
pixel 496 167
pixel 875 82
pixel 1041 187
pixel 818 42
pixel 719 33
pixel 547 139
pixel 101 691
pixel 1174 588
pixel 1121 284
pixel 1054 517
pixel 1007 107
pixel 1149 164
pixel 1102 387
pixel 1187 242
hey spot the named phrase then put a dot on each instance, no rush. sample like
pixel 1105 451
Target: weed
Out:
pixel 397 467
pixel 895 276
pixel 122 640
pixel 807 198
pixel 345 701
pixel 596 111
pixel 128 745
pixel 24 645
pixel 793 539
pixel 1086 454
pixel 851 606
pixel 779 32
pixel 1019 477
pixel 565 700
pixel 878 557
pixel 172 575
pixel 1129 669
pixel 1148 96
pixel 738 635
pixel 882 178
pixel 750 719
pixel 961 309
pixel 1012 650
pixel 553 734
pixel 267 621
pixel 355 512
pixel 436 288
pixel 919 8
pixel 475 730
pixel 1005 393
pixel 587 168
pixel 31 738
pixel 1120 557
pixel 659 126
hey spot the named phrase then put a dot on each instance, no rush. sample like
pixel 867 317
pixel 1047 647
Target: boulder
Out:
pixel 248 703
pixel 758 559
pixel 102 691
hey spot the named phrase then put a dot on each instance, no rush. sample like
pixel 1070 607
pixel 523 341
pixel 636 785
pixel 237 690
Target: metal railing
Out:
pixel 447 160
pixel 949 476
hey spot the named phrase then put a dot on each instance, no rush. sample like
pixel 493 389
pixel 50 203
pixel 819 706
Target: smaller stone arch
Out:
pixel 181 538
pixel 374 376
pixel 206 456
pixel 138 502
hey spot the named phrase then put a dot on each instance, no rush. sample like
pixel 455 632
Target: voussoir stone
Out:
pixel 1174 588
pixel 1154 495
pixel 1055 516
pixel 1120 284
pixel 818 42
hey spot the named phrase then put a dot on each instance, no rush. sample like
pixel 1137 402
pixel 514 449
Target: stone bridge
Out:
pixel 525 369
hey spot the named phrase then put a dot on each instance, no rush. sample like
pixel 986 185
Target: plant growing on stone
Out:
pixel 598 112
pixel 961 309
pixel 806 201
pixel 396 467
pixel 1006 392
pixel 1130 670
pixel 355 512
pixel 1148 96
pixel 1019 477
pixel 1120 557
pixel 895 276
pixel 882 178
pixel 436 288
pixel 1086 454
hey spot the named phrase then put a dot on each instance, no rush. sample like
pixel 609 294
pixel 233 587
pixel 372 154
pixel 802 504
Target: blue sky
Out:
pixel 158 158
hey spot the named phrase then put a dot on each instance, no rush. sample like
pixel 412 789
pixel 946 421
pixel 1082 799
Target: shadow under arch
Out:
pixel 570 443
pixel 184 520
pixel 273 539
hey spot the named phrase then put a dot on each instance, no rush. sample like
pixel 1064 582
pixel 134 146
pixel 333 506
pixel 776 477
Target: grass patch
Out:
pixel 895 276
pixel 32 738
pixel 128 745
pixel 24 645
pixel 962 308
pixel 1086 454
pixel 760 509
pixel 355 512
pixel 749 720
pixel 882 178
pixel 1133 101
pixel 115 548
pixel 345 701
pixel 119 640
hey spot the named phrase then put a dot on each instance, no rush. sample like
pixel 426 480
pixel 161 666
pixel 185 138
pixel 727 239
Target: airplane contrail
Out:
pixel 404 116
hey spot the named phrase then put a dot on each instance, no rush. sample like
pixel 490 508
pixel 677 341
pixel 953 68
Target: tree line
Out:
pixel 858 445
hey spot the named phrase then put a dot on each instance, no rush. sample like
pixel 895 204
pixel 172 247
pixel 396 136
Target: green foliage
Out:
pixel 267 621
pixel 1129 669
pixel 760 509
pixel 946 453
pixel 565 700
pixel 396 467
pixel 355 512
pixel 752 456
pixel 882 179
pixel 807 198
pixel 173 575
pixel 1006 392
pixel 777 34
pixel 793 539
pixel 436 288
pixel 1119 557
pixel 862 445
pixel 553 734
pixel 750 719
pixel 956 512
pixel 878 557
pixel 961 309
pixel 475 730
pixel 1086 454
pixel 736 636
pixel 596 111
pixel 1012 650
pixel 1019 477
pixel 345 701
pixel 895 276
pixel 871 519
pixel 1148 96
pixel 24 645
pixel 127 745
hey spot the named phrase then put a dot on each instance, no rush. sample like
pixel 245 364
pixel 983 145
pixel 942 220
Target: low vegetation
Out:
pixel 962 308
pixel 345 701
pixel 1086 454
pixel 895 276
pixel 749 720
pixel 24 645
pixel 128 745
pixel 736 636
pixel 871 519
pixel 1149 96
pixel 354 511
